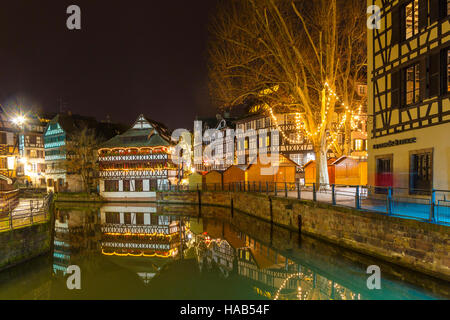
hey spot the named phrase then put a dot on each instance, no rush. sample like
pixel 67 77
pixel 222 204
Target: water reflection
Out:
pixel 150 252
pixel 271 274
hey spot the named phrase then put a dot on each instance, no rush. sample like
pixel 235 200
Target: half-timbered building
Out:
pixel 409 107
pixel 9 151
pixel 137 230
pixel 59 130
pixel 137 163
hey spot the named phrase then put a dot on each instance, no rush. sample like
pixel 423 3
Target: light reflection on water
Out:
pixel 142 251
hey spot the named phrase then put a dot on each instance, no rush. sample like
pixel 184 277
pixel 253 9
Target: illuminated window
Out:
pixel 412 84
pixel 268 141
pixel 362 90
pixel 359 145
pixel 411 19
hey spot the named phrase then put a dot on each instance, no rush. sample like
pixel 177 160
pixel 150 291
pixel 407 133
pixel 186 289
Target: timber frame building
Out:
pixel 409 91
pixel 137 163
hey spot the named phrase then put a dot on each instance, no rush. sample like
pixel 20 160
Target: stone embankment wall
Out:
pixel 19 245
pixel 413 244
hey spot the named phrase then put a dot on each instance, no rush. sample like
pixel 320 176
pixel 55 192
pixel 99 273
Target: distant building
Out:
pixel 31 164
pixel 9 151
pixel 135 164
pixel 56 134
pixel 409 72
pixel 292 144
pixel 221 123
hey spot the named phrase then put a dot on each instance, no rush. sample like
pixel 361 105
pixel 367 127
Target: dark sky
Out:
pixel 130 57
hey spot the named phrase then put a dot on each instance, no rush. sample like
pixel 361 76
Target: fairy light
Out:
pixel 283 285
pixel 355 119
pixel 168 255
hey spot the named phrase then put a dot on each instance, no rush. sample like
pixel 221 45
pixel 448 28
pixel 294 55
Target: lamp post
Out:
pixel 20 121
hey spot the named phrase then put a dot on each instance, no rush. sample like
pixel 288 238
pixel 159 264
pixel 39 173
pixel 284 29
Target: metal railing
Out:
pixel 425 205
pixel 27 214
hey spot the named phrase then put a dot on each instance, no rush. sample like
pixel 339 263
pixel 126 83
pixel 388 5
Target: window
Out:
pixel 126 185
pixel 411 19
pixel 359 145
pixel 139 218
pixel 111 185
pixel 154 220
pixel 112 217
pixel 127 218
pixel 412 83
pixel 3 138
pixel 421 172
pixel 32 139
pixel 139 185
pixel 362 90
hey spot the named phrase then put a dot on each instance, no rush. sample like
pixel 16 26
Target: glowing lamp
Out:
pixel 19 120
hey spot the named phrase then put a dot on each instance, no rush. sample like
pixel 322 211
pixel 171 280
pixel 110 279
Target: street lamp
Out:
pixel 19 120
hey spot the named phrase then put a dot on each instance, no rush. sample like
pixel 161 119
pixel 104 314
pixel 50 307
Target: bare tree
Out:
pixel 352 69
pixel 286 55
pixel 81 156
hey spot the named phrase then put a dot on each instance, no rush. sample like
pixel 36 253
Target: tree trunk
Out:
pixel 322 178
pixel 348 137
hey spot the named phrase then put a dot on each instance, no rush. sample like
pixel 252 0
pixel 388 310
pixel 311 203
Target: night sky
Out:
pixel 129 57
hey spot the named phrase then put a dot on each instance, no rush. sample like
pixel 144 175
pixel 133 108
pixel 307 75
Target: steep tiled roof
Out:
pixel 153 134
pixel 71 123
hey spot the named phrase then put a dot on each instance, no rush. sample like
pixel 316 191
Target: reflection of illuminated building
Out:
pixel 139 231
pixel 216 251
pixel 61 245
pixel 273 275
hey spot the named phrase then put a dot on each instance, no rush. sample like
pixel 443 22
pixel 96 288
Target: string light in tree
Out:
pixel 300 122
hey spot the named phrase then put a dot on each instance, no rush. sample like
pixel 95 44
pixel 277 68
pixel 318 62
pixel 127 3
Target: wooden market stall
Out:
pixel 214 177
pixel 284 172
pixel 234 174
pixel 197 179
pixel 350 171
pixel 310 171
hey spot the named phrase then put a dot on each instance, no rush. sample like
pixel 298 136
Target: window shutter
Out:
pixel 442 8
pixel 434 84
pixel 443 77
pixel 423 78
pixel 437 9
pixel 395 87
pixel 396 27
pixel 423 14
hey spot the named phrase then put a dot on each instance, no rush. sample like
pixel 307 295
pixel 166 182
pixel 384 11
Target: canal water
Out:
pixel 138 251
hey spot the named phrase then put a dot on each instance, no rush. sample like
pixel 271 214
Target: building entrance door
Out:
pixel 384 173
